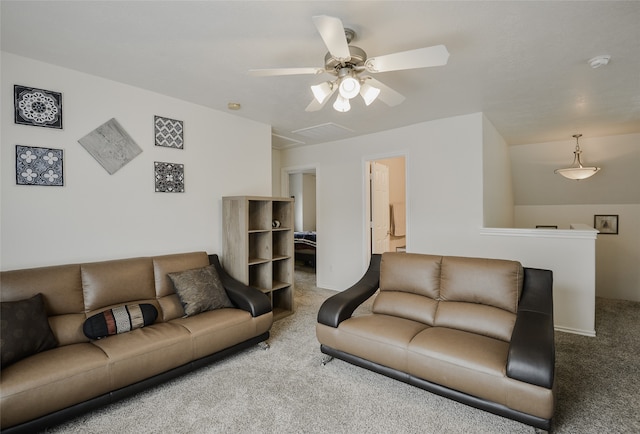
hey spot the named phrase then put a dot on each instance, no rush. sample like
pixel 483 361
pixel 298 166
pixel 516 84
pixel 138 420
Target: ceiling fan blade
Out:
pixel 332 32
pixel 284 71
pixel 418 58
pixel 314 105
pixel 387 95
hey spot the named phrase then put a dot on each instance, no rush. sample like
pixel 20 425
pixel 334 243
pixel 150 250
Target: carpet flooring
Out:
pixel 286 389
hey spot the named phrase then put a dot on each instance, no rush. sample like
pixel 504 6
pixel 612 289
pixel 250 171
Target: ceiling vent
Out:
pixel 282 142
pixel 324 132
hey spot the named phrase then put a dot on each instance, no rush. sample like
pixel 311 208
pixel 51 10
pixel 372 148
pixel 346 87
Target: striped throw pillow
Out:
pixel 120 319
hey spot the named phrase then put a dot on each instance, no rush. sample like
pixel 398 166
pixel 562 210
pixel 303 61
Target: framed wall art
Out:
pixel 37 107
pixel 39 166
pixel 169 177
pixel 111 146
pixel 606 224
pixel 168 132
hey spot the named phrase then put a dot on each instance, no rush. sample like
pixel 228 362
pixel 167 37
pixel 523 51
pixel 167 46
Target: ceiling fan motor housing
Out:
pixel 358 57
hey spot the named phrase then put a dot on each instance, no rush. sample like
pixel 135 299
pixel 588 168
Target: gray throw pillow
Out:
pixel 200 290
pixel 24 329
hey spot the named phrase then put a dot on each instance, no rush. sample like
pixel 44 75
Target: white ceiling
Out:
pixel 522 63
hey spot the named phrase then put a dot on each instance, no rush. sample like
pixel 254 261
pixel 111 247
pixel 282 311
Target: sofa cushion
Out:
pixel 52 380
pixel 476 318
pixel 494 282
pixel 146 352
pixel 382 339
pixel 218 329
pixel 406 305
pixel 61 287
pixel 200 290
pixel 117 282
pixel 460 360
pixel 411 272
pixel 120 319
pixel 24 329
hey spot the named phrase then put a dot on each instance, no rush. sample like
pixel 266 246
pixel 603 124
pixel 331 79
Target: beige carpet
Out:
pixel 286 389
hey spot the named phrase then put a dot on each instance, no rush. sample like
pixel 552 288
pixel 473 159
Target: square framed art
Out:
pixel 39 166
pixel 111 146
pixel 169 177
pixel 37 107
pixel 606 224
pixel 168 132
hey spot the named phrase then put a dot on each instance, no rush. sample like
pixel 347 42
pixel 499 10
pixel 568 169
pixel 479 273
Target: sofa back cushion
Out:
pixel 479 295
pixel 170 306
pixel 409 286
pixel 61 289
pixel 493 282
pixel 110 284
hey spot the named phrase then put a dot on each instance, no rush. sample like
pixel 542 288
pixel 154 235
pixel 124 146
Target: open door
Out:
pixel 380 218
pixel 385 207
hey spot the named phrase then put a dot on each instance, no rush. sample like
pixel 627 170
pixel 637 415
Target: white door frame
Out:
pixel 366 199
pixel 292 170
pixel 284 192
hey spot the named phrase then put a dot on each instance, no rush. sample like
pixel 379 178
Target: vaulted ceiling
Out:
pixel 523 63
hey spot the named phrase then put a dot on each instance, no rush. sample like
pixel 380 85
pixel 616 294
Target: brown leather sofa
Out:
pixel 479 331
pixel 80 374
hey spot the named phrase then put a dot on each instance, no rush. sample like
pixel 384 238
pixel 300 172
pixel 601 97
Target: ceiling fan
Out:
pixel 349 65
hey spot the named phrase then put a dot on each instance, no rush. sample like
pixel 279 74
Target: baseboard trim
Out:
pixel 590 333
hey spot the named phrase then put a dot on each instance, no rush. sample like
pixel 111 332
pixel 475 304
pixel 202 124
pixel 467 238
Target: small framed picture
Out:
pixel 168 132
pixel 606 224
pixel 37 107
pixel 546 227
pixel 169 177
pixel 39 166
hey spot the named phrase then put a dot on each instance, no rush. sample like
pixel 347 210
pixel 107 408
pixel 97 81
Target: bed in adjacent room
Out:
pixel 305 247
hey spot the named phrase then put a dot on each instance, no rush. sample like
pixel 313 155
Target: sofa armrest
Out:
pixel 245 297
pixel 339 307
pixel 532 349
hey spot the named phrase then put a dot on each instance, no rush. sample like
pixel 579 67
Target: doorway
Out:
pixel 300 184
pixel 386 205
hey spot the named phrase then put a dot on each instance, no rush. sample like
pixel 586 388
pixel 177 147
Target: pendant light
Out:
pixel 577 171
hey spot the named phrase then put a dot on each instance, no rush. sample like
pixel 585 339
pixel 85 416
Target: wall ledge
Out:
pixel 578 231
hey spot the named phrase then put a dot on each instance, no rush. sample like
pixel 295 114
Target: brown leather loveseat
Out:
pixel 77 374
pixel 479 331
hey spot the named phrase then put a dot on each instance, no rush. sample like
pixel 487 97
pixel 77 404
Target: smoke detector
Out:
pixel 599 61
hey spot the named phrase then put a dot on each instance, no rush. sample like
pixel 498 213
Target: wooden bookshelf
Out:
pixel 258 252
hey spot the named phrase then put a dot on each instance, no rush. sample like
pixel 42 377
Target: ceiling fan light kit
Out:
pixel 369 93
pixel 342 104
pixel 577 171
pixel 347 63
pixel 349 87
pixel 322 91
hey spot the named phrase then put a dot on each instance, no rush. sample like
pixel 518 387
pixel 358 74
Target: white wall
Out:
pixel 302 186
pixel 445 209
pixel 98 216
pixel 275 170
pixel 617 183
pixel 309 202
pixel 570 254
pixel 543 198
pixel 295 190
pixel 497 183
pixel 617 256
